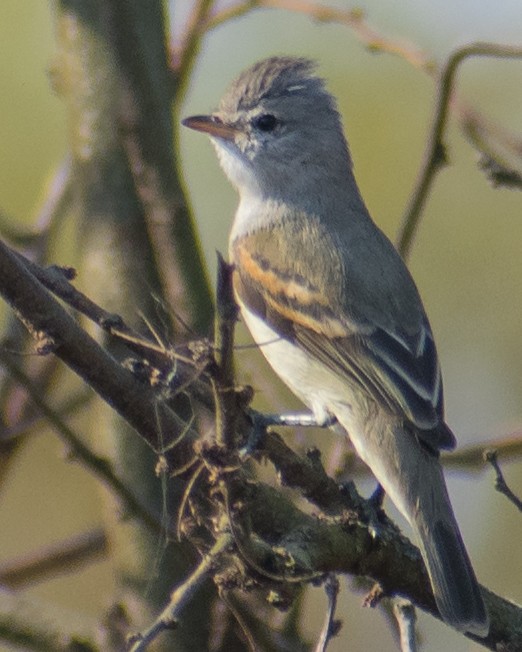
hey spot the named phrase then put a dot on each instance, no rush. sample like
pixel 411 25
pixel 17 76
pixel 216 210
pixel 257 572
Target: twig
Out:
pixel 57 199
pixel 352 18
pixel 228 600
pixel 54 330
pixel 223 379
pixel 184 499
pixel 70 406
pixel 32 624
pixel 183 58
pixel 434 156
pixel 404 613
pixel 97 465
pixel 58 281
pixel 331 626
pixel 471 458
pixel 501 153
pixel 181 596
pixel 500 482
pixel 61 556
pixel 182 369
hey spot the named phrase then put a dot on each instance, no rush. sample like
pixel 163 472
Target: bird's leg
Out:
pixel 298 420
pixel 262 422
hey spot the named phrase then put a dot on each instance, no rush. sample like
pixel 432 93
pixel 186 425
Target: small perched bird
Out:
pixel 333 307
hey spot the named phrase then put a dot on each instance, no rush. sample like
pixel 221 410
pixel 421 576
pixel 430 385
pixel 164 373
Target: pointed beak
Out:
pixel 211 125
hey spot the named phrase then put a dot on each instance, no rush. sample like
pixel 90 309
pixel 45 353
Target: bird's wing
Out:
pixel 304 303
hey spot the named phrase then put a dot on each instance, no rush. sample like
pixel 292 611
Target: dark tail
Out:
pixel 453 580
pixel 412 477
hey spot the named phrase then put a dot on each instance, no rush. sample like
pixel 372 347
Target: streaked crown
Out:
pixel 274 78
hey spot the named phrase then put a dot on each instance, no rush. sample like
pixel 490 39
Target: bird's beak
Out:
pixel 210 125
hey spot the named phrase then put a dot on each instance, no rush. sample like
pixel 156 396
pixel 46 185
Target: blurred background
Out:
pixel 467 258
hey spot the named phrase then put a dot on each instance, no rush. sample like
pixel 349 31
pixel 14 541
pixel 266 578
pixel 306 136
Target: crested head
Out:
pixel 278 135
pixel 273 78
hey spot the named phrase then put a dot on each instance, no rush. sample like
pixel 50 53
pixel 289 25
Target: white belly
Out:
pixel 327 395
pixel 308 379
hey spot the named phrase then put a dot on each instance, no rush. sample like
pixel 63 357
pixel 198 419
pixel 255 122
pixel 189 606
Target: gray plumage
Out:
pixel 333 307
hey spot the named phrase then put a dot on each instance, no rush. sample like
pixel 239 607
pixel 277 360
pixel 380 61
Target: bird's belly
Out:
pixel 327 395
pixel 310 380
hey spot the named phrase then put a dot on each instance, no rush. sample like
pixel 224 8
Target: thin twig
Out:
pixel 404 612
pixel 46 561
pixel 57 199
pixel 98 466
pixel 331 626
pixel 185 56
pixel 471 458
pixel 500 482
pixel 184 499
pixel 434 156
pixel 227 599
pixel 181 596
pixel 31 624
pixel 70 406
pixel 352 18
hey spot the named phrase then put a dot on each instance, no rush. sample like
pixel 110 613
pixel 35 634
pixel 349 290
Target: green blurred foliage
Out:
pixel 466 259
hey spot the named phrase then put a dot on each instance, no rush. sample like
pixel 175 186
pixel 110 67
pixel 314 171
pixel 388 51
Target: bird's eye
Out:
pixel 265 122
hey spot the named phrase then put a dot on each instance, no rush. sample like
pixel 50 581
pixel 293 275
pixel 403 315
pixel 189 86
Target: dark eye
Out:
pixel 265 122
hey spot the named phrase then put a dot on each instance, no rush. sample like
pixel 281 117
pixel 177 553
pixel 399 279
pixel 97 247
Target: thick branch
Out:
pixel 54 330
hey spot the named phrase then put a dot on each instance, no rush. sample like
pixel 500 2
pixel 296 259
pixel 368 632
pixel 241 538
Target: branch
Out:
pixel 471 458
pixel 181 596
pixel 47 561
pixel 184 57
pixel 182 366
pixel 223 381
pixel 54 330
pixel 435 154
pixel 149 120
pixel 395 575
pixel 98 466
pixel 501 485
pixel 57 201
pixel 353 18
pixel 34 625
pixel 501 156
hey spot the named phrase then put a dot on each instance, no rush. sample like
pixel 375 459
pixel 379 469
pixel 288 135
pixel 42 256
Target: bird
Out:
pixel 333 307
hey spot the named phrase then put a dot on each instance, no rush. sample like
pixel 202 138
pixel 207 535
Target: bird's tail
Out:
pixel 412 477
pixel 453 580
